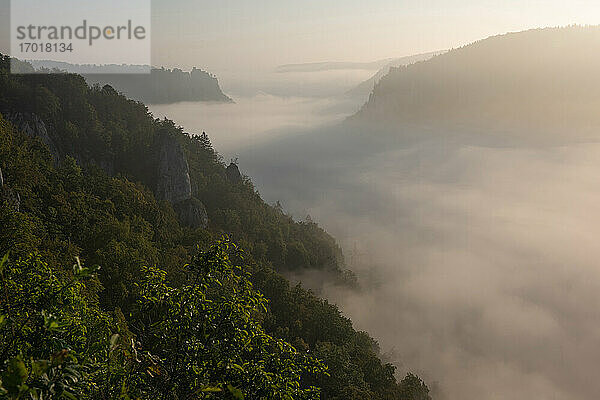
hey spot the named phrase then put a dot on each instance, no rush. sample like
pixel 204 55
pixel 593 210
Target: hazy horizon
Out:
pixel 235 35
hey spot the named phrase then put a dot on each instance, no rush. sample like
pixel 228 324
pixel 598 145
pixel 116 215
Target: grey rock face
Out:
pixel 174 185
pixel 33 126
pixel 173 177
pixel 233 173
pixel 192 213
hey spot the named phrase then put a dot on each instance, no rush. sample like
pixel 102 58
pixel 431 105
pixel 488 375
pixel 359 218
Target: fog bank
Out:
pixel 479 263
pixel 268 105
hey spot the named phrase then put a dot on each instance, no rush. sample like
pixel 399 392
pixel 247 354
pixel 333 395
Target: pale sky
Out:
pixel 229 35
pixel 242 33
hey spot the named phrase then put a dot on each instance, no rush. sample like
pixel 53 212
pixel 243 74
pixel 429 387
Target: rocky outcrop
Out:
pixel 33 126
pixel 173 175
pixel 233 173
pixel 192 213
pixel 174 184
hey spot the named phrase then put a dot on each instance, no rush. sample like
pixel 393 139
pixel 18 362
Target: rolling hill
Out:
pixel 541 81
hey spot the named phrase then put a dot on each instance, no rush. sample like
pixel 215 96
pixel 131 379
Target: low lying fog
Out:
pixel 267 103
pixel 479 263
pixel 250 119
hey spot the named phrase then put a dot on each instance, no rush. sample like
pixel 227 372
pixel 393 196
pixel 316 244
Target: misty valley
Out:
pixel 415 228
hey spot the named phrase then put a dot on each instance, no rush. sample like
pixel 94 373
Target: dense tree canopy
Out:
pixel 202 339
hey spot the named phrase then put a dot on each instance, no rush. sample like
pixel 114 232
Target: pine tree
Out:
pixel 205 141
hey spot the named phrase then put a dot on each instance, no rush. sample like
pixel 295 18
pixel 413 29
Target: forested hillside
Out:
pixel 163 86
pixel 117 282
pixel 365 88
pixel 160 86
pixel 541 81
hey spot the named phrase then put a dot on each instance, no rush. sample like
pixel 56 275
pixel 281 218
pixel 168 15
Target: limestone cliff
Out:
pixel 174 184
pixel 233 173
pixel 173 175
pixel 192 213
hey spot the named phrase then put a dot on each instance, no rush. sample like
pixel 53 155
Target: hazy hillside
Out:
pixel 366 87
pixel 545 81
pixel 161 86
pixel 165 86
